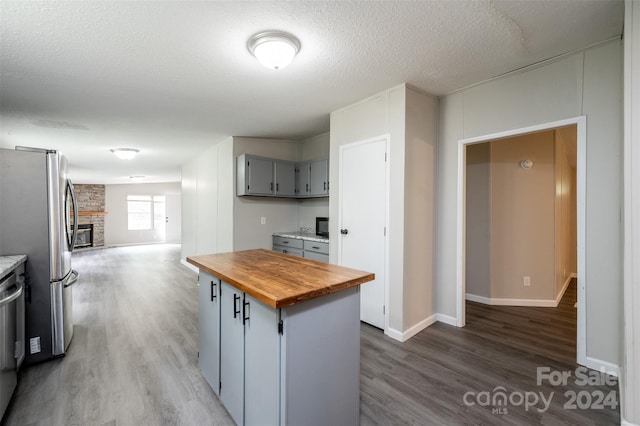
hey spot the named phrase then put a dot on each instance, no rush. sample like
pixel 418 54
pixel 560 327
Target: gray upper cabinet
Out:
pixel 302 182
pixel 319 178
pixel 313 178
pixel 285 178
pixel 267 177
pixel 254 175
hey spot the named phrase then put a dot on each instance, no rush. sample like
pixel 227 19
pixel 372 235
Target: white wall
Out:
pixel 216 220
pixel 586 83
pixel 281 214
pixel 116 220
pixel 630 409
pixel 410 118
pixel 207 201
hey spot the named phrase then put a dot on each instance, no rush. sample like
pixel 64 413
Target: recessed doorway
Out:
pixel 519 266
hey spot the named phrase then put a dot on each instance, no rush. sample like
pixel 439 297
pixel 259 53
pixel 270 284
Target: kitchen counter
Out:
pixel 279 280
pixel 302 236
pixel 279 337
pixel 9 263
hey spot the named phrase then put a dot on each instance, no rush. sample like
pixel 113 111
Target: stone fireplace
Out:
pixel 91 201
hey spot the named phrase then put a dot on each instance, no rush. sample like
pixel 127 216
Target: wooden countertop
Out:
pixel 279 280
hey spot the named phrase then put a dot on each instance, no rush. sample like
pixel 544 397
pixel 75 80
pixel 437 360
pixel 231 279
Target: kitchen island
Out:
pixel 280 337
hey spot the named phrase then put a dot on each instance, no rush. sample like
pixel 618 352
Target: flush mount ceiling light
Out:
pixel 274 49
pixel 125 153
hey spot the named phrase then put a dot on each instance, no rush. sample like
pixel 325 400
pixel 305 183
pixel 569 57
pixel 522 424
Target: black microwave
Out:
pixel 322 227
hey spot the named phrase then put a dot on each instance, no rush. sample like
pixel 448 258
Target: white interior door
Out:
pixel 173 214
pixel 363 212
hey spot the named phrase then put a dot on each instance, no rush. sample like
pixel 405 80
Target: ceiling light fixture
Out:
pixel 125 153
pixel 274 49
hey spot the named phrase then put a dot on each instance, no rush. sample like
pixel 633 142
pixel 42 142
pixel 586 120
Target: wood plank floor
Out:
pixel 133 358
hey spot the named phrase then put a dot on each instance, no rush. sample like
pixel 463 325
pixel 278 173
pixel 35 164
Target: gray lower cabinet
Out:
pixel 304 248
pixel 316 250
pixel 249 360
pixel 293 246
pixel 298 365
pixel 209 322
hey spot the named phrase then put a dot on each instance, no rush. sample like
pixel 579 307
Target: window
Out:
pixel 145 212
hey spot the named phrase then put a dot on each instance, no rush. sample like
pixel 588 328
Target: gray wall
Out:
pixel 587 83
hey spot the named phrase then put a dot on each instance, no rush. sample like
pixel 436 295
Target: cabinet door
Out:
pixel 259 176
pixel 285 174
pixel 303 180
pixel 209 318
pixel 232 352
pixel 262 364
pixel 319 182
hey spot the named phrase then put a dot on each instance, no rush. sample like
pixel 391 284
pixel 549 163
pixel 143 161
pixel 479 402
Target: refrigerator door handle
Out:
pixel 75 216
pixel 74 278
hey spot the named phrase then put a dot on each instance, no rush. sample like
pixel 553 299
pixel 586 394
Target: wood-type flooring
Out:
pixel 133 359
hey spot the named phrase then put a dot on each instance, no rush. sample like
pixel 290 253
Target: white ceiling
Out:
pixel 174 77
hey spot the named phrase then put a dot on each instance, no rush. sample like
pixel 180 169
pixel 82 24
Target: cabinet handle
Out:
pixel 271 186
pixel 236 311
pixel 285 242
pixel 245 310
pixel 213 290
pixel 315 247
pixel 307 187
pixel 277 187
pixel 285 251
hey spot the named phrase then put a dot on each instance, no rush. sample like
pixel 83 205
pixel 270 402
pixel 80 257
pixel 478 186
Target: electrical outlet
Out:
pixel 34 344
pixel 263 220
pixel 527 281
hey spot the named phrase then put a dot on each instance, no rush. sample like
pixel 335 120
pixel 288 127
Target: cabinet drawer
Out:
pixel 288 250
pixel 287 242
pixel 317 247
pixel 316 256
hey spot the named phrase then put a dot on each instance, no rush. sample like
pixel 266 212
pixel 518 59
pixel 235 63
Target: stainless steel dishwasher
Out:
pixel 10 297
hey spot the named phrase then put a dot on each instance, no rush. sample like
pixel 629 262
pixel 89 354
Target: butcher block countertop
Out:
pixel 279 280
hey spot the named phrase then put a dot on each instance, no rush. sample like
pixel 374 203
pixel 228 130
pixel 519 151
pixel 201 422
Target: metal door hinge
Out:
pixel 385 157
pixel 384 309
pixel 385 231
pixel 219 386
pixel 280 327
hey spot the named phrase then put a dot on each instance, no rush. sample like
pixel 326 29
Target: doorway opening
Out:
pixel 517 205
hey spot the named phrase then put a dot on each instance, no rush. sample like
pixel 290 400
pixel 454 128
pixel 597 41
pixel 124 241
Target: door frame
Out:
pixel 581 178
pixel 387 139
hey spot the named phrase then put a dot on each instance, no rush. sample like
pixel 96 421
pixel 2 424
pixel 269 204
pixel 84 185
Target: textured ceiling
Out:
pixel 174 77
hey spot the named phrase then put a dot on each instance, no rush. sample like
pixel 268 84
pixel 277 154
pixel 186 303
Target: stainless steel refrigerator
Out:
pixel 39 218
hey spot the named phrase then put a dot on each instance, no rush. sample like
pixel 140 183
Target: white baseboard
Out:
pixel 447 319
pixel 411 331
pixel 599 365
pixel 511 302
pixel 564 288
pixel 623 422
pixel 190 266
